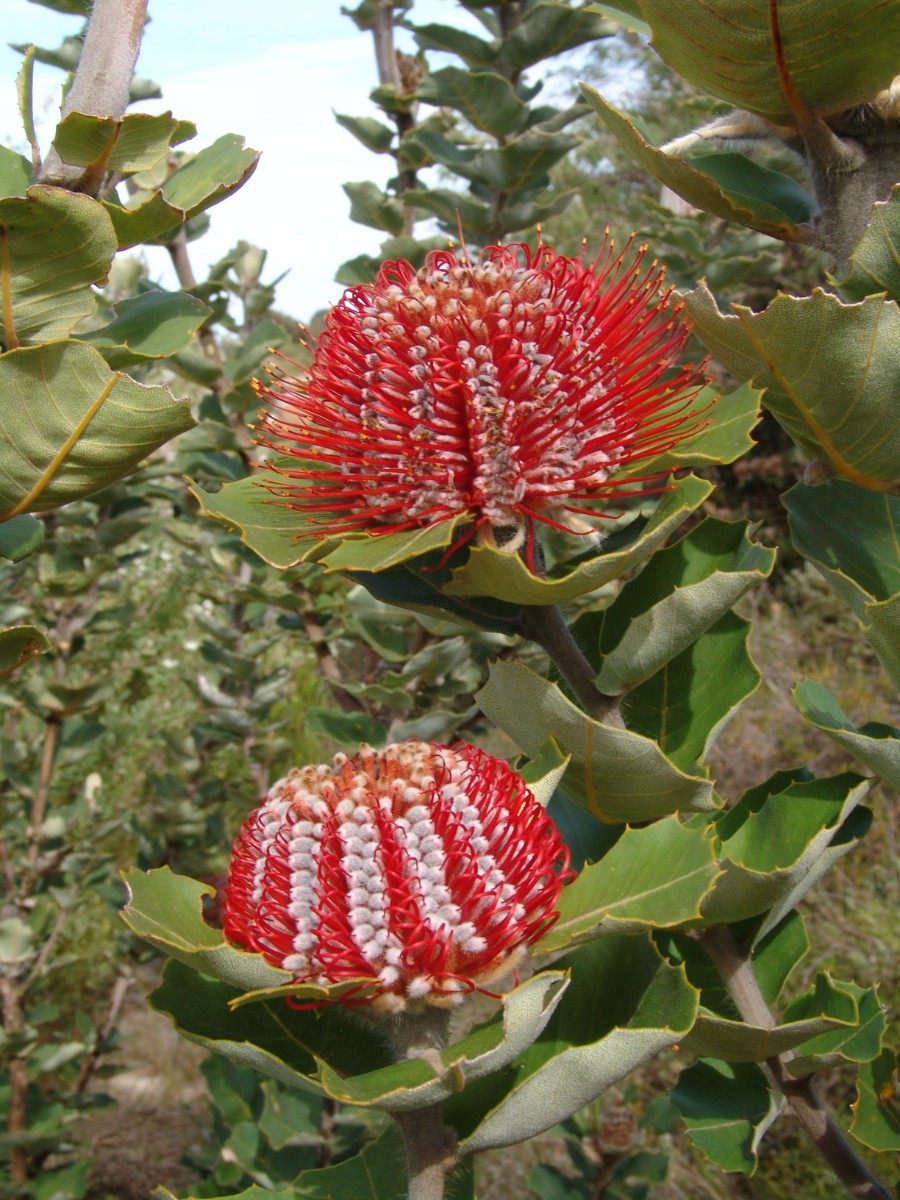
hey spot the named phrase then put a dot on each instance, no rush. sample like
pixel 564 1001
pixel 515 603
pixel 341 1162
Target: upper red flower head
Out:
pixel 419 869
pixel 510 388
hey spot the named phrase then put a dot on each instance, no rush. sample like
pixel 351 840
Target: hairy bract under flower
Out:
pixel 510 389
pixel 422 871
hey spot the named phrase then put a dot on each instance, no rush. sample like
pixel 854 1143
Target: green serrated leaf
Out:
pixel 127 144
pixel 20 537
pixel 153 325
pixel 615 774
pixel 876 1112
pixel 851 535
pixel 732 50
pixel 328 1053
pixel 486 99
pixel 474 51
pixel 53 245
pixel 681 593
pixel 860 1010
pixel 776 844
pixel 876 745
pixel 692 185
pixel 71 426
pixel 596 1036
pixel 214 173
pixel 724 437
pixel 875 263
pixel 726 1107
pixel 829 370
pixel 369 205
pixel 16 175
pixel 374 135
pixel 548 29
pixel 653 877
pixel 687 703
pixel 746 180
pixel 491 572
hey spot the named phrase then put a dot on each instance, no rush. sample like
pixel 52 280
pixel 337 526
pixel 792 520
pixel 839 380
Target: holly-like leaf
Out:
pixel 20 644
pixel 53 245
pixel 756 56
pixel 726 425
pixel 861 1038
pixel 126 144
pixel 20 537
pixel 876 1111
pixel 875 263
pixel 474 51
pixel 614 774
pixel 211 175
pixel 491 572
pixel 550 28
pixel 486 99
pixel 71 426
pixel 850 535
pixel 777 840
pixel 875 744
pixel 374 135
pixel 653 877
pixel 369 205
pixel 830 371
pixel 596 1036
pixel 726 1107
pixel 329 1053
pixel 699 189
pixel 153 325
pixel 16 174
pixel 681 593
pixel 688 702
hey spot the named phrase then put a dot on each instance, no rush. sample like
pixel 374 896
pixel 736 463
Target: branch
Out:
pixel 736 971
pixel 544 625
pixel 101 83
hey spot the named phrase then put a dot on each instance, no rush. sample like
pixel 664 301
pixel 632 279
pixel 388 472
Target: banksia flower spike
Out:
pixel 422 871
pixel 509 389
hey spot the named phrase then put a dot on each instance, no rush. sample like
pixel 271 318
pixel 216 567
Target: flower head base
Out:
pixel 422 870
pixel 510 389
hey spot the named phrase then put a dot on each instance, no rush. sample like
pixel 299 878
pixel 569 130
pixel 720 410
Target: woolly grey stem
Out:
pixel 102 80
pixel 736 971
pixel 544 624
pixel 430 1148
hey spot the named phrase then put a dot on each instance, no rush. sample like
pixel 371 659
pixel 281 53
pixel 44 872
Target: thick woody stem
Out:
pixel 102 80
pixel 736 971
pixel 544 624
pixel 430 1149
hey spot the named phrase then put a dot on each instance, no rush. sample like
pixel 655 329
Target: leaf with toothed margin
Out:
pixel 726 1108
pixel 597 1035
pixel 778 840
pixel 614 774
pixel 876 1110
pixel 653 877
pixel 330 1053
pixel 875 744
pixel 830 371
pixel 758 56
pixel 699 189
pixel 491 572
pixel 544 772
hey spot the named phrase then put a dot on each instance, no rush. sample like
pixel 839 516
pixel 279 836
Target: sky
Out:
pixel 276 78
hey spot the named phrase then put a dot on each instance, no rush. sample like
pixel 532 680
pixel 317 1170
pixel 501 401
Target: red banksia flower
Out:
pixel 510 388
pixel 422 870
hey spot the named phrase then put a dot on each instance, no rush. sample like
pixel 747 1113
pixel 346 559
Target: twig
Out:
pixel 101 83
pixel 544 625
pixel 736 971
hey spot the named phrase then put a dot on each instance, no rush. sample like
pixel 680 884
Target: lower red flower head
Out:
pixel 510 389
pixel 423 870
